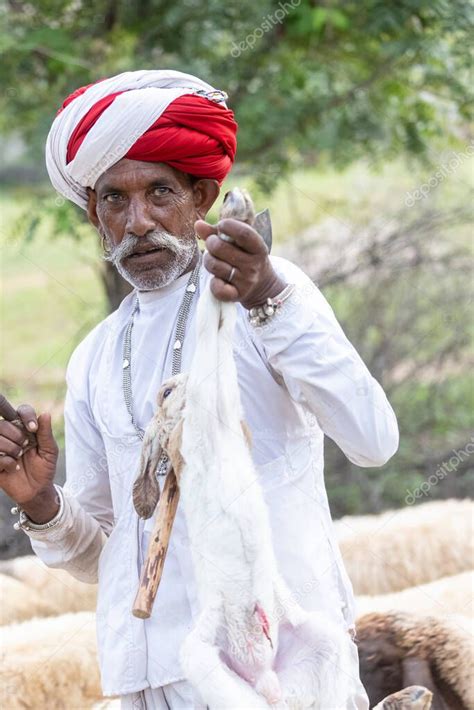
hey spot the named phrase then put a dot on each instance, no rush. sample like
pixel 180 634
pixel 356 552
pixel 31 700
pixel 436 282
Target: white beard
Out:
pixel 183 248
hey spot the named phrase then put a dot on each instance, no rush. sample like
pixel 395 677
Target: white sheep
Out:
pixel 252 645
pixel 443 597
pixel 50 663
pixel 404 548
pixel 20 602
pixel 51 591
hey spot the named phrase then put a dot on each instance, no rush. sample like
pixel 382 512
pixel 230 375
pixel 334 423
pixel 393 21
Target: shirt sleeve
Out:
pixel 309 353
pixel 75 542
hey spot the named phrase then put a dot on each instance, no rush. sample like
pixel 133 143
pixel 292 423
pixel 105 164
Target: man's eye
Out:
pixel 113 197
pixel 161 190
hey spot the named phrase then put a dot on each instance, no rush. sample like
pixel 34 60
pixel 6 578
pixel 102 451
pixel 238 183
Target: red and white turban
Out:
pixel 157 116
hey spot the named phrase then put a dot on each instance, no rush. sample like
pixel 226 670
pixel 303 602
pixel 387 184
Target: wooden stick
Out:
pixel 152 569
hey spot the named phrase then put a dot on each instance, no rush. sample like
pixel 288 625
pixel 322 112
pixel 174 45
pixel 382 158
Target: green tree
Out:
pixel 305 78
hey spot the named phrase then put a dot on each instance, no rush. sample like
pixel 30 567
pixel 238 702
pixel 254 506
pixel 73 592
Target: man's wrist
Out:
pixel 271 290
pixel 262 315
pixel 43 507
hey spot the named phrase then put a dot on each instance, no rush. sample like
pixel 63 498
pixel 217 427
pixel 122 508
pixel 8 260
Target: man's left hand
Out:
pixel 254 279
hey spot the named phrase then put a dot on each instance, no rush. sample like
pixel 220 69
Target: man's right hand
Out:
pixel 28 477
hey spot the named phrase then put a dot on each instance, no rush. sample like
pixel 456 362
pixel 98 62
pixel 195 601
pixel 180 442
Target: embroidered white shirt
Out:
pixel 299 377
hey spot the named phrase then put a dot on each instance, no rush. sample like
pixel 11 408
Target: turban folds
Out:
pixel 155 116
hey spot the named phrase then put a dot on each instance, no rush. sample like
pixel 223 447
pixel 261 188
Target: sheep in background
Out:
pixel 443 597
pixel 58 591
pixel 114 704
pixel 348 525
pixel 400 549
pixel 19 602
pixel 50 663
pixel 397 650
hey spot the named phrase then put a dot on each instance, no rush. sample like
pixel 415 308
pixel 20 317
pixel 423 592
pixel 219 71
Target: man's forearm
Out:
pixel 74 543
pixel 43 507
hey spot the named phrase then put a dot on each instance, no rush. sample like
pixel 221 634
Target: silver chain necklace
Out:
pixel 177 351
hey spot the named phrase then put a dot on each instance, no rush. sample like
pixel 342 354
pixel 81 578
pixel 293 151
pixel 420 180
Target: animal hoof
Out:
pixel 415 697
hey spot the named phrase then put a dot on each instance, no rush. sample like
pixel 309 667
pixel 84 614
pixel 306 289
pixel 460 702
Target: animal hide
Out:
pixel 253 646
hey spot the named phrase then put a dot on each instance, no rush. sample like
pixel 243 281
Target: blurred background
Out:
pixel 355 130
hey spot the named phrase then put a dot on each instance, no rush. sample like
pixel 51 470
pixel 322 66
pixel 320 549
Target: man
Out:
pixel 145 153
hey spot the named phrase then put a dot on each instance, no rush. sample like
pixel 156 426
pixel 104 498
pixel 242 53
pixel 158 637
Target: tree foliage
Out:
pixel 305 78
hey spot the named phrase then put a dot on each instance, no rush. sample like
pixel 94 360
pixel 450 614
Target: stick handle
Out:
pixel 153 566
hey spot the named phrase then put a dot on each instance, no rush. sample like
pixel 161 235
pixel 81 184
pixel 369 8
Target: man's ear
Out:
pixel 92 207
pixel 205 193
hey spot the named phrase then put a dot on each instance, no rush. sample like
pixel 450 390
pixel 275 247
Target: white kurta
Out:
pixel 298 376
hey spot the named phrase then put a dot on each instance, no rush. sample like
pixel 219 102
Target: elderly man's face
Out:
pixel 146 212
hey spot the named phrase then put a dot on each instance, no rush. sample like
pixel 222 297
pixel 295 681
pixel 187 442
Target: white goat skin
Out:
pixel 228 657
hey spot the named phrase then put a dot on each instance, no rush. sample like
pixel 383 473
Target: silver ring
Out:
pixel 231 276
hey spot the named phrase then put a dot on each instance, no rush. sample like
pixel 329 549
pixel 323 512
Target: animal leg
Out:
pixel 218 686
pixel 416 671
pixel 173 449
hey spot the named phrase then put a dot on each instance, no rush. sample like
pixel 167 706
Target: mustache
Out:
pixel 129 243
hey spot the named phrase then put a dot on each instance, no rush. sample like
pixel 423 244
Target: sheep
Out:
pixel 50 663
pixel 252 644
pixel 348 525
pixel 19 602
pixel 443 597
pixel 398 649
pixel 405 548
pixel 52 591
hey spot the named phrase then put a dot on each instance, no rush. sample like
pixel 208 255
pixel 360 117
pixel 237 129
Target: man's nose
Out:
pixel 139 220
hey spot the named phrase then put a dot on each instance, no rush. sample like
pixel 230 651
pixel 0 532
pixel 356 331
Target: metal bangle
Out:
pixel 24 522
pixel 261 314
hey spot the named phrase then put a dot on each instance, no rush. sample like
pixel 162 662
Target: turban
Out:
pixel 155 116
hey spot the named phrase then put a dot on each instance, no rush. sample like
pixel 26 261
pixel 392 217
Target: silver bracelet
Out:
pixel 262 314
pixel 25 523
